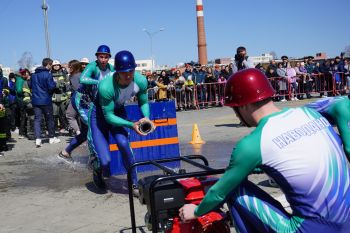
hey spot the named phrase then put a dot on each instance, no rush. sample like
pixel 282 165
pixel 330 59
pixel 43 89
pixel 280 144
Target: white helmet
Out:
pixel 84 60
pixel 32 70
pixel 56 62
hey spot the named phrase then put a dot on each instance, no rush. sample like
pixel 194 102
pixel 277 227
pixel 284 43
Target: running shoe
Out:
pixel 38 142
pixel 54 140
pixel 66 158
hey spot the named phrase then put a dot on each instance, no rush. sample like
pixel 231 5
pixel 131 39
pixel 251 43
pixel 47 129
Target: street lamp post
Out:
pixel 151 34
pixel 47 38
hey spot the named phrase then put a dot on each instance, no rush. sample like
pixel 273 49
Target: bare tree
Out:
pixel 274 54
pixel 26 60
pixel 347 51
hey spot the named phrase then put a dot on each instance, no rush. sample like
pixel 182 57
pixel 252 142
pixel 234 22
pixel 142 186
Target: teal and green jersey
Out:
pixel 92 73
pixel 299 149
pixel 90 78
pixel 112 96
pixel 337 112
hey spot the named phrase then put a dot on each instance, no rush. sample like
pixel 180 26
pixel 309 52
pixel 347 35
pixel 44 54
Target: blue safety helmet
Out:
pixel 103 49
pixel 124 61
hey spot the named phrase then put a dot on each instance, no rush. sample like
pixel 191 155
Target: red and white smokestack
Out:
pixel 202 44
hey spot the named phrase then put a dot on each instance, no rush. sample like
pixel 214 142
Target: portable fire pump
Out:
pixel 165 194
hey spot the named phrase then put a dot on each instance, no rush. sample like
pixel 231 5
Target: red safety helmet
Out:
pixel 246 87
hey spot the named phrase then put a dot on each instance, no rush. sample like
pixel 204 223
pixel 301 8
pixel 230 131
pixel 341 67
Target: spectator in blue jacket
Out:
pixel 12 101
pixel 325 69
pixel 43 86
pixel 217 71
pixel 200 73
pixel 187 72
pixel 3 120
pixel 338 74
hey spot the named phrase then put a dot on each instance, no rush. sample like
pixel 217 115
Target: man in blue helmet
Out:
pixel 97 70
pixel 93 73
pixel 109 115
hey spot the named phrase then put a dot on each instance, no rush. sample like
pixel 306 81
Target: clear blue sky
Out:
pixel 78 27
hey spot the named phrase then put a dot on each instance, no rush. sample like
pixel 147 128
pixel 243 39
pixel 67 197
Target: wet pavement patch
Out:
pixel 51 173
pixel 48 173
pixel 217 153
pixel 14 163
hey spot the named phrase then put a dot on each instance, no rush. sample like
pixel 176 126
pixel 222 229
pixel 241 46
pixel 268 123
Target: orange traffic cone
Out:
pixel 196 137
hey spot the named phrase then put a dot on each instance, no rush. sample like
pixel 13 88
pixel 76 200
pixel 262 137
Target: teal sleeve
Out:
pixel 340 113
pixel 89 71
pixel 142 96
pixel 243 160
pixel 106 98
pixel 143 102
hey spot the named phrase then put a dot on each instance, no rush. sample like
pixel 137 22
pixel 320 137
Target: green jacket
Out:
pixel 23 92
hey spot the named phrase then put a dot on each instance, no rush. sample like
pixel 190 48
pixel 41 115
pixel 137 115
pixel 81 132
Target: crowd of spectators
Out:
pixel 198 86
pixel 294 80
pixel 33 105
pixel 192 86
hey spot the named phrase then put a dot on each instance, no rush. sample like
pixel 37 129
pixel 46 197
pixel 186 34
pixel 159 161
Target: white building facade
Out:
pixel 143 65
pixel 264 58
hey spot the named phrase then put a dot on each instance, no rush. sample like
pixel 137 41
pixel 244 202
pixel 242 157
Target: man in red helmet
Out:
pixel 298 148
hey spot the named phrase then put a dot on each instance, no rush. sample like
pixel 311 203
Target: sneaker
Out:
pixel 98 179
pixel 66 158
pixel 20 136
pixel 283 100
pixel 296 99
pixel 38 142
pixel 292 99
pixel 135 190
pixel 54 140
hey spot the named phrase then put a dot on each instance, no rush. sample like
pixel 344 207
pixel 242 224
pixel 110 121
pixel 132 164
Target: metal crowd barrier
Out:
pixel 212 94
pixel 331 84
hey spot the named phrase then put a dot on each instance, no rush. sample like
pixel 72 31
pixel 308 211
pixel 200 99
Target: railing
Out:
pixel 299 87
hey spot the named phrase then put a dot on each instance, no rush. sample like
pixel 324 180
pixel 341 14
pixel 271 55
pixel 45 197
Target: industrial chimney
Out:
pixel 202 44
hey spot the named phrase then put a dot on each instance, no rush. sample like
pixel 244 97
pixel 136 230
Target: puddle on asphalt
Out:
pixel 217 153
pixel 14 163
pixel 52 173
pixel 49 173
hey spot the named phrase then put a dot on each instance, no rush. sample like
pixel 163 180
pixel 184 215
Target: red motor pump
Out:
pixel 165 194
pixel 212 222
